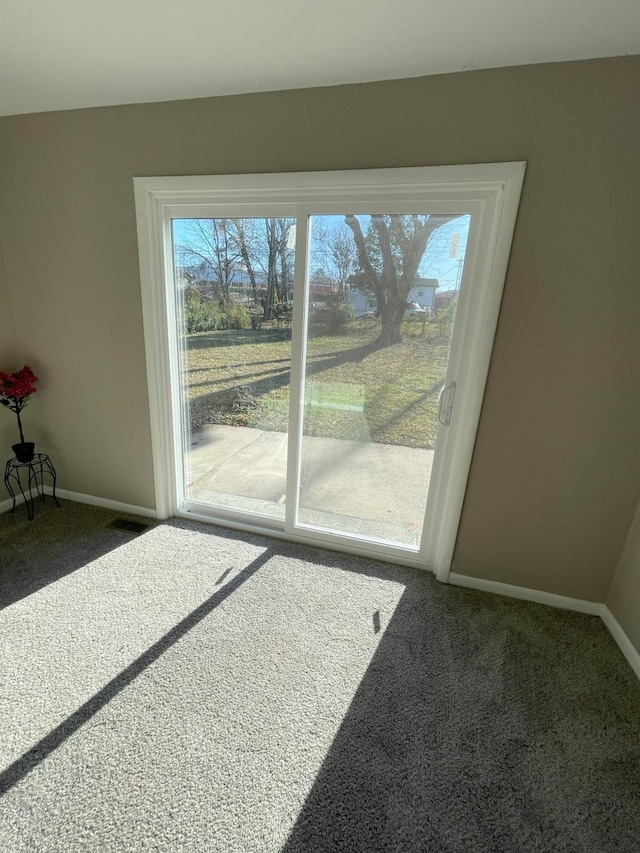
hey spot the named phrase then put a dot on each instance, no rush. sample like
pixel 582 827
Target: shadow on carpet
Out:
pixel 510 730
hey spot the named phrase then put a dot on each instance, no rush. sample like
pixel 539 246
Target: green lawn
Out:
pixel 353 390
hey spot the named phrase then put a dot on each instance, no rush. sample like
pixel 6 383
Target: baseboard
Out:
pixel 5 506
pixel 130 509
pixel 594 608
pixel 617 632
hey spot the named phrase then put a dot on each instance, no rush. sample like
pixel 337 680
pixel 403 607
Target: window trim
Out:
pixel 496 187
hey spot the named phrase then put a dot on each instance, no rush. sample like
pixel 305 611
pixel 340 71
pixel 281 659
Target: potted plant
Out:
pixel 15 392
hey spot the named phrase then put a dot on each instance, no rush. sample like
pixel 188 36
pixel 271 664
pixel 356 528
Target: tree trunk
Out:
pixel 272 265
pixel 391 333
pixel 246 258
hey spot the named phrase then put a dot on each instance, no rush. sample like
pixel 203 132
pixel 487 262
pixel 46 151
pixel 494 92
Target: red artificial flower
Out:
pixel 15 387
pixel 15 391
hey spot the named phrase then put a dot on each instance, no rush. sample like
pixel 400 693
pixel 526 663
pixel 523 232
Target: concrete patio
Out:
pixel 377 490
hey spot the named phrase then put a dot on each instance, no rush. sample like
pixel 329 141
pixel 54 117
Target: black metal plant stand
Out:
pixel 39 467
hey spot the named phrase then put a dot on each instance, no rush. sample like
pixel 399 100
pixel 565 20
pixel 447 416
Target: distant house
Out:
pixel 362 303
pixel 424 292
pixel 205 278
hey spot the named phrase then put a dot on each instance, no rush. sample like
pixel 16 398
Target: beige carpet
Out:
pixel 194 689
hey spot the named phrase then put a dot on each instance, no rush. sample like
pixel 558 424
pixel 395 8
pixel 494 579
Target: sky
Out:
pixel 441 260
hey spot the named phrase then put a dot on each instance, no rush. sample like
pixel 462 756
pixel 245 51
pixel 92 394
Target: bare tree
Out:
pixel 214 251
pixel 278 261
pixel 389 257
pixel 335 255
pixel 211 250
pixel 286 259
pixel 246 239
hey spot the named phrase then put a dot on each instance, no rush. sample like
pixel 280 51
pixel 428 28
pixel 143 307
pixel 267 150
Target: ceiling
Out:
pixel 69 53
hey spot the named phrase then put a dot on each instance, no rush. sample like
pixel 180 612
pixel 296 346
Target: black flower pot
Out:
pixel 24 451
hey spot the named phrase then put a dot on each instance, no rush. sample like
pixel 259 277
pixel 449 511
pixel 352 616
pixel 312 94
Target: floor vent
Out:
pixel 126 526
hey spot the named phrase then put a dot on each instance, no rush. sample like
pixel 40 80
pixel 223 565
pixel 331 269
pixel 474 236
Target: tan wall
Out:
pixel 624 597
pixel 552 491
pixel 10 359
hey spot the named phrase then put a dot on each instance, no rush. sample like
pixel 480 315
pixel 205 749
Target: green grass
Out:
pixel 353 390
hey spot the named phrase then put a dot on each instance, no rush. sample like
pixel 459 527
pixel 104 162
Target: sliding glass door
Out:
pixel 377 297
pixel 233 281
pixel 376 351
pixel 317 347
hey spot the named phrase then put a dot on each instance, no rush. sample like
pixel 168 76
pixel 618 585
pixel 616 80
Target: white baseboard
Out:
pixel 130 509
pixel 593 608
pixel 538 596
pixel 617 632
pixel 5 506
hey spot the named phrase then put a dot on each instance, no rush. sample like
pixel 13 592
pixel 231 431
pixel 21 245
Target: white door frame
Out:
pixel 490 192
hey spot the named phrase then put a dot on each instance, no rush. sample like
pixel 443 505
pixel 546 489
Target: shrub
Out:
pixel 199 314
pixel 237 317
pixel 445 317
pixel 339 318
pixel 255 316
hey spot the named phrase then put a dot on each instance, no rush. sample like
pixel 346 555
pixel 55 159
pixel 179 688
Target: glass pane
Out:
pixel 382 296
pixel 234 280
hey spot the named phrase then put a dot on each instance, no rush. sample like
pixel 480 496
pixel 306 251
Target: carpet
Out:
pixel 199 689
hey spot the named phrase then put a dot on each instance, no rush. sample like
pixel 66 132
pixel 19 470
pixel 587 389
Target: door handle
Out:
pixel 445 404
